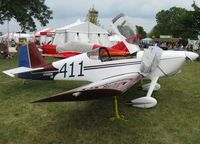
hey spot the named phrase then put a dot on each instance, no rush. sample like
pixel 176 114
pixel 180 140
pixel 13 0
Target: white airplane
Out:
pixel 109 76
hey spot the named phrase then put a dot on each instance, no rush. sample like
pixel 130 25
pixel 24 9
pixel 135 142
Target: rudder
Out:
pixel 29 56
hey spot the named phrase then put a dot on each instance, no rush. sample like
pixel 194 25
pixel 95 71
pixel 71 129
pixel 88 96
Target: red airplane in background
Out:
pixel 73 48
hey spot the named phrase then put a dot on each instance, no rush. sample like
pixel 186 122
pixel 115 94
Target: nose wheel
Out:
pixel 147 101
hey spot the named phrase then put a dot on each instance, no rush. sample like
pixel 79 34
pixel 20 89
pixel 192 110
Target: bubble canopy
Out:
pixel 123 25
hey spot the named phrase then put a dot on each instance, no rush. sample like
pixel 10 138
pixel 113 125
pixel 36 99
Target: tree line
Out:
pixel 178 22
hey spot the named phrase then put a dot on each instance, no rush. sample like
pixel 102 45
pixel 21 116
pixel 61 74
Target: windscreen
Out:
pixel 123 25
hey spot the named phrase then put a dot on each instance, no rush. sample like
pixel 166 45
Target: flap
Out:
pixel 105 88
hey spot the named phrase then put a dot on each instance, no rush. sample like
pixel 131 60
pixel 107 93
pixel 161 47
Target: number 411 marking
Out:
pixel 64 69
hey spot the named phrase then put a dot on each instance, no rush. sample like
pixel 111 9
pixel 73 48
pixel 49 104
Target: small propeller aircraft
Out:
pixel 110 75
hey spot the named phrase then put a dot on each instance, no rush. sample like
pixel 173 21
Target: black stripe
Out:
pixel 44 71
pixel 111 65
pixel 121 75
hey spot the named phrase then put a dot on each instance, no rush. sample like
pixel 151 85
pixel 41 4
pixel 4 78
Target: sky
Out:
pixel 141 12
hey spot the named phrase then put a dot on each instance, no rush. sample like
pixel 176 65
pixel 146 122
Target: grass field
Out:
pixel 175 120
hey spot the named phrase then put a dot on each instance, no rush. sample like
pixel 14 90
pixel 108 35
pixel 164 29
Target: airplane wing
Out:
pixel 62 55
pixel 111 86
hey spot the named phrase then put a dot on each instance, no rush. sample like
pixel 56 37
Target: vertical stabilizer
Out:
pixel 35 56
pixel 30 57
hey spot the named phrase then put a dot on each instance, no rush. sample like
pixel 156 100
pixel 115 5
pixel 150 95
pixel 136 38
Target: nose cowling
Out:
pixel 191 55
pixel 171 62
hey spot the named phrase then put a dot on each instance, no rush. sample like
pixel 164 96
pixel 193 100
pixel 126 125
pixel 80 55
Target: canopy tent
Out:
pixel 83 32
pixel 172 40
pixel 43 32
pixel 14 36
pixel 44 36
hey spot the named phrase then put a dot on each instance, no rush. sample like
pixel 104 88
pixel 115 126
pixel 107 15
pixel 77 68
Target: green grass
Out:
pixel 175 120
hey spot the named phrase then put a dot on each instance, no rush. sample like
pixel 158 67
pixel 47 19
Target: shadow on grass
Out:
pixel 88 121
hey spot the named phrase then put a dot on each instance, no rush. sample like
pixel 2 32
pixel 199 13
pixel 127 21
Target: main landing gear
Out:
pixel 117 116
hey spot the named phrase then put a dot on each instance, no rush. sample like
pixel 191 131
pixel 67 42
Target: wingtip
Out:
pixel 9 74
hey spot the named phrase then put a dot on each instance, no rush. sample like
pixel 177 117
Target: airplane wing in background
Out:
pixel 62 55
pixel 68 49
pixel 108 87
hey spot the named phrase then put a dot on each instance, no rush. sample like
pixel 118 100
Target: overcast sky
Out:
pixel 142 12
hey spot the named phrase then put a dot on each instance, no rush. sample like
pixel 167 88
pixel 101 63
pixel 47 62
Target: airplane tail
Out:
pixel 29 56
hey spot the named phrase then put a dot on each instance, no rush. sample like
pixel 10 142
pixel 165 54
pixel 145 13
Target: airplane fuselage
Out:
pixel 86 68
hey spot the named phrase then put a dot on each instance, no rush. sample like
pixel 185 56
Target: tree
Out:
pixel 178 22
pixel 25 11
pixel 154 33
pixel 196 16
pixel 140 31
pixel 92 16
pixel 169 22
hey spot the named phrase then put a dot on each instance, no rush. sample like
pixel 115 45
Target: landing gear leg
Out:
pixel 147 101
pixel 117 116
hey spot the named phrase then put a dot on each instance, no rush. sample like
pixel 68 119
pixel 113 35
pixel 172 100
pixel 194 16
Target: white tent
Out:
pixel 15 36
pixel 43 32
pixel 45 35
pixel 85 32
pixel 114 39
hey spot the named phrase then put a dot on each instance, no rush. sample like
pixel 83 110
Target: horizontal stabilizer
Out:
pixel 19 70
pixel 81 95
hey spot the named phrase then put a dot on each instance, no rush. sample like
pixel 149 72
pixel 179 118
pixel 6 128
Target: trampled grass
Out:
pixel 176 118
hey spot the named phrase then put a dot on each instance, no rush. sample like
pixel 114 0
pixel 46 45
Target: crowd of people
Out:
pixel 171 46
pixel 193 46
pixel 4 50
